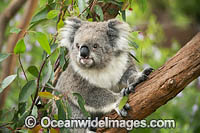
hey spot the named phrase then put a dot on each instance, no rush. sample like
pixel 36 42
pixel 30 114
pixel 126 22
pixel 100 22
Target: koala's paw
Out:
pixel 123 112
pixel 145 75
pixel 127 91
pixel 147 71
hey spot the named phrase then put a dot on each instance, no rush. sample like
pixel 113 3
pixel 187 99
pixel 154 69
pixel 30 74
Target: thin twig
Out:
pixel 19 58
pixel 38 84
pixel 36 98
pixel 88 7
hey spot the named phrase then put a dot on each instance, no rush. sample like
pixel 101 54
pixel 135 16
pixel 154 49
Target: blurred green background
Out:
pixel 161 28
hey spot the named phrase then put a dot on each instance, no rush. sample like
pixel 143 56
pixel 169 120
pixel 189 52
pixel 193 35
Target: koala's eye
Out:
pixel 95 45
pixel 77 45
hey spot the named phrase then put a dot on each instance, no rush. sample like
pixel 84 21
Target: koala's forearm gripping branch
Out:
pixel 163 84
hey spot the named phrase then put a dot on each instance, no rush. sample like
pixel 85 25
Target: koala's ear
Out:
pixel 118 34
pixel 67 33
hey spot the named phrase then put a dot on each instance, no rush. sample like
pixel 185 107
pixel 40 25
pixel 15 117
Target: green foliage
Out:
pixel 33 70
pixel 27 91
pixel 20 47
pixel 15 30
pixel 7 81
pixel 3 56
pixel 81 5
pixel 43 40
pixel 123 102
pixel 39 58
pixel 52 14
pixel 81 103
pixel 99 11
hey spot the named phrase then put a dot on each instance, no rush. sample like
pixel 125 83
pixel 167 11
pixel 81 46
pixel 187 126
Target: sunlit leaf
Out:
pixel 52 14
pixel 123 102
pixel 7 81
pixel 42 39
pixel 60 24
pixel 20 47
pixel 27 91
pixel 3 56
pixel 48 95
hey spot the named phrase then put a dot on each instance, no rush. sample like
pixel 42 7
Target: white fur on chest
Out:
pixel 107 77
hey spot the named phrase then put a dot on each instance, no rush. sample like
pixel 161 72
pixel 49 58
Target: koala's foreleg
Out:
pixel 133 81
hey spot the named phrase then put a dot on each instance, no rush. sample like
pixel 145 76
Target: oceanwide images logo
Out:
pixel 46 122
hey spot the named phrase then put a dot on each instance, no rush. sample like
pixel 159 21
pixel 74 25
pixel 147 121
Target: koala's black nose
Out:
pixel 84 52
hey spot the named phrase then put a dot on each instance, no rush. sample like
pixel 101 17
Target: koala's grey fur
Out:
pixel 99 78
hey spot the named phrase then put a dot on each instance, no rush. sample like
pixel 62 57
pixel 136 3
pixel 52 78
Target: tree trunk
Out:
pixel 10 63
pixel 163 84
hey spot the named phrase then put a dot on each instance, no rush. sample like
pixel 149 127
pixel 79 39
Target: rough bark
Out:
pixel 10 62
pixel 163 84
pixel 7 15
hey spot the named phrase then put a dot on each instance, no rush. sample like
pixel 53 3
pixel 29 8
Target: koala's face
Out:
pixel 91 48
pixel 94 44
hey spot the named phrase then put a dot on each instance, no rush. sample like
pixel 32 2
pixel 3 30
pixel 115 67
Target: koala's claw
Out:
pixel 147 71
pixel 127 106
pixel 123 112
pixel 127 91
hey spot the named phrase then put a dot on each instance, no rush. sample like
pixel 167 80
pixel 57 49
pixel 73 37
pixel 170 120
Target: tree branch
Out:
pixel 7 15
pixel 163 84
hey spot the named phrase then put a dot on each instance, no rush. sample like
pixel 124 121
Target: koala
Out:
pixel 100 68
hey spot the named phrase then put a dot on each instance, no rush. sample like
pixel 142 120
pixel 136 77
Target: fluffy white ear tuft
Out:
pixel 67 33
pixel 119 33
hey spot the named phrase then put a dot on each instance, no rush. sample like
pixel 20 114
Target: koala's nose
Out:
pixel 84 52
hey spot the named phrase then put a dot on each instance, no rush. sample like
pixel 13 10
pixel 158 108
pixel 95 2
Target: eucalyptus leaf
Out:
pixel 46 73
pixel 52 14
pixel 43 41
pixel 60 24
pixel 15 30
pixel 99 11
pixel 27 91
pixel 33 70
pixel 7 81
pixel 3 56
pixel 69 110
pixel 81 103
pixel 46 95
pixel 20 47
pixel 61 111
pixel 123 102
pixel 81 5
pixel 41 15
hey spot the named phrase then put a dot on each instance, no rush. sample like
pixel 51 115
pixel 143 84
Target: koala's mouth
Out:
pixel 87 62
